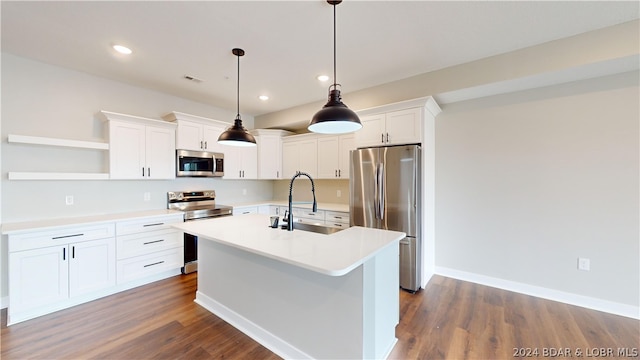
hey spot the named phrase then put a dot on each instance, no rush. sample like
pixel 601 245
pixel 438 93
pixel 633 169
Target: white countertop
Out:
pixel 17 227
pixel 335 255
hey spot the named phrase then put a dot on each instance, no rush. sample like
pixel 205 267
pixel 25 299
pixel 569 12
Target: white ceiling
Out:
pixel 287 43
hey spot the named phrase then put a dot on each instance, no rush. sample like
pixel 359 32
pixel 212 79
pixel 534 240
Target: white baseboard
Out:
pixel 257 333
pixel 545 293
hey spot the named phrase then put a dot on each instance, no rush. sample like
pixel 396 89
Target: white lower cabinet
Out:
pixel 91 266
pixel 142 266
pixel 49 270
pixel 336 219
pixel 148 246
pixel 244 210
pixel 37 278
pixel 67 265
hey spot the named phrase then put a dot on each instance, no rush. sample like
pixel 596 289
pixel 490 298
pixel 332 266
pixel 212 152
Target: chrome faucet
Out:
pixel 313 191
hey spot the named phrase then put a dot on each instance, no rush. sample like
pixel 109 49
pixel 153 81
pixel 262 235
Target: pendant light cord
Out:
pixel 334 47
pixel 238 91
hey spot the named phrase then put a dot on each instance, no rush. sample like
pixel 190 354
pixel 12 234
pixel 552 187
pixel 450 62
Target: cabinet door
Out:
pixel 127 150
pixel 38 278
pixel 290 159
pixel 269 161
pixel 328 157
pixel 232 162
pixel 249 157
pixel 189 135
pixel 372 132
pixel 92 266
pixel 347 143
pixel 308 161
pixel 211 133
pixel 160 153
pixel 403 127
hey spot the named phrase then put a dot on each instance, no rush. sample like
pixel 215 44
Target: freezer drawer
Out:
pixel 408 264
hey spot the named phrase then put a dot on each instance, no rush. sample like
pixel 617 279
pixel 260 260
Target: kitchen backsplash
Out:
pixel 326 190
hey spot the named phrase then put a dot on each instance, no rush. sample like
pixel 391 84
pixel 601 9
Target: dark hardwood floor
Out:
pixel 450 319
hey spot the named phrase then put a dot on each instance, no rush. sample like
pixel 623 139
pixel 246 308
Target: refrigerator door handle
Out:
pixel 380 192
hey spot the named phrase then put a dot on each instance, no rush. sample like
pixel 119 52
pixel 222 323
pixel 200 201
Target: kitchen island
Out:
pixel 298 293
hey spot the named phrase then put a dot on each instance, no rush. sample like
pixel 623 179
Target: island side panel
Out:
pixel 292 311
pixel 382 302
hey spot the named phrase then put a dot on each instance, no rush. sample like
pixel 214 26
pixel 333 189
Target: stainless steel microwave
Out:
pixel 199 164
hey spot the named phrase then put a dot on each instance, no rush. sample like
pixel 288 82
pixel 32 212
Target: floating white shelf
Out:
pixel 57 142
pixel 56 176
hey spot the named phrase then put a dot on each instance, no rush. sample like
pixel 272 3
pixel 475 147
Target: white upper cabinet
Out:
pixel 269 152
pixel 333 156
pixel 240 162
pixel 300 153
pixel 405 122
pixel 197 133
pixel 140 148
pixel 391 128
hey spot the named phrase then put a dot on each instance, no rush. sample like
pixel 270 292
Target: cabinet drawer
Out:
pixel 142 266
pixel 245 210
pixel 336 224
pixel 337 217
pixel 147 224
pixel 308 214
pixel 145 243
pixel 62 236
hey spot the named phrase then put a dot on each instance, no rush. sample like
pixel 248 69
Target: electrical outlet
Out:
pixel 68 200
pixel 147 196
pixel 338 193
pixel 584 264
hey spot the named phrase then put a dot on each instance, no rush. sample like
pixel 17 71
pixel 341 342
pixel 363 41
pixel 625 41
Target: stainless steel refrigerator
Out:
pixel 384 190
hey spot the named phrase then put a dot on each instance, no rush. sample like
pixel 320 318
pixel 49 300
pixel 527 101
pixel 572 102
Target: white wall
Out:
pixel 44 100
pixel 528 182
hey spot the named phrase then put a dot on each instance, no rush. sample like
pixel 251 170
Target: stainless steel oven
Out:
pixel 196 205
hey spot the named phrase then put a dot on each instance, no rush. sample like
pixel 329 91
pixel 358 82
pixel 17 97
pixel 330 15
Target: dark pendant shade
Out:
pixel 237 135
pixel 335 117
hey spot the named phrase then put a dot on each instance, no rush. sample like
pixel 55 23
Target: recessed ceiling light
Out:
pixel 263 97
pixel 122 49
pixel 323 78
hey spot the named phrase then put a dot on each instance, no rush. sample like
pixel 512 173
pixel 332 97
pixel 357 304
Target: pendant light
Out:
pixel 335 117
pixel 237 135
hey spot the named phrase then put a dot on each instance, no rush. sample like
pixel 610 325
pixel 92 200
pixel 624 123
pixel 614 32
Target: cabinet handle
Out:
pixel 155 263
pixel 339 175
pixel 277 174
pixel 382 138
pixel 65 236
pixel 155 224
pixel 64 254
pixel 149 172
pixel 387 137
pixel 73 252
pixel 205 145
pixel 201 147
pixel 246 212
pixel 143 171
pixel 338 217
pixel 153 242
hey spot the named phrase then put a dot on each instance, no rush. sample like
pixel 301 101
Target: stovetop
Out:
pixel 197 204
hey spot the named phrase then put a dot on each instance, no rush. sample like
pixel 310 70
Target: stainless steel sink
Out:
pixel 316 228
